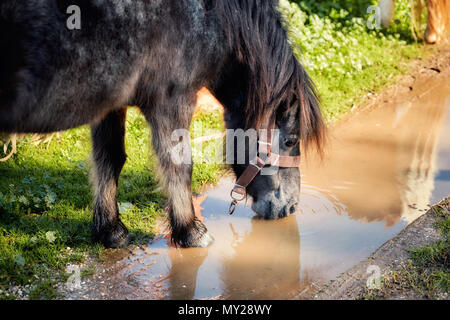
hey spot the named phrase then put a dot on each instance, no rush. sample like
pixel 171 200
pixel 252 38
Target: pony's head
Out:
pixel 262 79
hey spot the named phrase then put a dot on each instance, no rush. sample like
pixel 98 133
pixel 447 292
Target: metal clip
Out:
pixel 237 198
pixel 233 206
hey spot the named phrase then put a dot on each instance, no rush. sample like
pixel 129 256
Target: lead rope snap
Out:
pixel 233 206
pixel 235 200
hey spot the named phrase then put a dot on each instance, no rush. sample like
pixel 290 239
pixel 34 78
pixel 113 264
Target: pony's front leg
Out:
pixel 169 134
pixel 108 139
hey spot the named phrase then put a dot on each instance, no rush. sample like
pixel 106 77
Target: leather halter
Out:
pixel 239 192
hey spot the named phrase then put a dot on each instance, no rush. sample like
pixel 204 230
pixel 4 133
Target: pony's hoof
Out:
pixel 116 238
pixel 118 243
pixel 204 241
pixel 431 37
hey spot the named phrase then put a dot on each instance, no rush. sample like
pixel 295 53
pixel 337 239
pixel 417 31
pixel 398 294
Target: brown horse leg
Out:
pixel 108 138
pixel 437 20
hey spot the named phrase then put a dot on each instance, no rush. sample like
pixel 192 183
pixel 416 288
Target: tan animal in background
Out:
pixel 438 21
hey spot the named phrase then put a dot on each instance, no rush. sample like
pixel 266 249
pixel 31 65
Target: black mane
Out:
pixel 256 35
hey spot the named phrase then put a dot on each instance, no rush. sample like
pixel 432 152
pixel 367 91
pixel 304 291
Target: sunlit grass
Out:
pixel 344 57
pixel 427 272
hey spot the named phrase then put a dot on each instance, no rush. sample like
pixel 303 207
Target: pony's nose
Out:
pixel 289 209
pixel 272 208
pixel 292 208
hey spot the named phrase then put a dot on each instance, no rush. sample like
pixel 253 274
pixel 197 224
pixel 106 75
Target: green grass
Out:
pixel 343 56
pixel 44 290
pixel 432 263
pixel 206 169
pixel 427 273
pixel 45 193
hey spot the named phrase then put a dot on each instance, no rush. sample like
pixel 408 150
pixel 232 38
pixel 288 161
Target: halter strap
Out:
pixel 239 191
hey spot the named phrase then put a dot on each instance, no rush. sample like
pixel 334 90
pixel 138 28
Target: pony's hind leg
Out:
pixel 187 230
pixel 108 138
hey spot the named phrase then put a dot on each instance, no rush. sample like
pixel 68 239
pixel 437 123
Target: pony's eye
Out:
pixel 290 142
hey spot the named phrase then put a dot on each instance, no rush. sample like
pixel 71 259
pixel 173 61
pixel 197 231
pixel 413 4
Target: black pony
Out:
pixel 155 54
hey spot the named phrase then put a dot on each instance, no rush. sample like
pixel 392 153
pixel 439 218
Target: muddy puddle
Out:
pixel 382 169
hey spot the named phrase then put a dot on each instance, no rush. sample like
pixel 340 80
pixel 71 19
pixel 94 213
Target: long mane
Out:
pixel 256 35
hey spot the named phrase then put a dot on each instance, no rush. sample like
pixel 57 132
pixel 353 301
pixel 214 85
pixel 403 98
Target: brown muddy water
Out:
pixel 382 169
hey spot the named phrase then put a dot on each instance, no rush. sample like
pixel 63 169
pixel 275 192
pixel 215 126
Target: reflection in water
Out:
pixel 266 261
pixel 382 164
pixel 315 200
pixel 379 175
pixel 183 272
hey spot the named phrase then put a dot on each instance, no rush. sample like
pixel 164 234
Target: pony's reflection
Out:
pixel 266 261
pixel 381 165
pixel 183 272
pixel 261 263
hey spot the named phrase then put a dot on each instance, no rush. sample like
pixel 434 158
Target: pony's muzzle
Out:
pixel 271 209
pixel 291 208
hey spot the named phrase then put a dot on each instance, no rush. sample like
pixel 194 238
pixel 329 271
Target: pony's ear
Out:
pixel 312 126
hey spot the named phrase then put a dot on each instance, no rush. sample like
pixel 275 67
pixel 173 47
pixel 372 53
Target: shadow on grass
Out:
pixel 46 218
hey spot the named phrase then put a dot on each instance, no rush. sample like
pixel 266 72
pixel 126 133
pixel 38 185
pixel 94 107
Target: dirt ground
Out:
pixel 418 76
